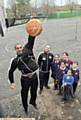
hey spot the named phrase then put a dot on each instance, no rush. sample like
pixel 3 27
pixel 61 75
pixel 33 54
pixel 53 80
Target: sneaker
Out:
pixel 59 94
pixel 63 99
pixel 40 91
pixel 26 111
pixel 47 87
pixel 34 105
pixel 55 88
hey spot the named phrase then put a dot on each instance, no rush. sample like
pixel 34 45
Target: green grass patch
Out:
pixel 65 14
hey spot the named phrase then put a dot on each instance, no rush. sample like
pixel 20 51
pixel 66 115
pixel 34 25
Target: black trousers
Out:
pixel 26 84
pixel 43 79
pixel 75 87
pixel 60 85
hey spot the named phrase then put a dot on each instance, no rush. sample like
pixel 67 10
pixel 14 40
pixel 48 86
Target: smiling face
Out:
pixel 75 65
pixel 57 57
pixel 65 56
pixel 47 49
pixel 18 49
pixel 62 65
pixel 69 73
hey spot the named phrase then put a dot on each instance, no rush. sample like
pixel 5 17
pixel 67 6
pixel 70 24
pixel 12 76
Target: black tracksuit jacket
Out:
pixel 26 56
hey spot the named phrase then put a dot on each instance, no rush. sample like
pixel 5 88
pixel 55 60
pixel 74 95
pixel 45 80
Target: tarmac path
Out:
pixel 61 36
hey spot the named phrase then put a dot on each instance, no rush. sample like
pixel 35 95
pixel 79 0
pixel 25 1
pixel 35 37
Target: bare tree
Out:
pixel 23 7
pixel 71 4
pixel 48 6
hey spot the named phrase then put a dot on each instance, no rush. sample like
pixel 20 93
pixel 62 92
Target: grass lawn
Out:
pixel 65 14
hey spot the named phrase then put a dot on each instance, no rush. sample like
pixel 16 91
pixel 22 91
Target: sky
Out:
pixel 62 2
pixel 38 2
pixel 58 2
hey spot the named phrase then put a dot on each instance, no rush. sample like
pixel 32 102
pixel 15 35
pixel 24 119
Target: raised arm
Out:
pixel 30 42
pixel 28 48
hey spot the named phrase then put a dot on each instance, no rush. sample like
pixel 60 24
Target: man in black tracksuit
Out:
pixel 44 61
pixel 29 78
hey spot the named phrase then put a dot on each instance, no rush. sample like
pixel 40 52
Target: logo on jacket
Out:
pixel 43 58
pixel 50 57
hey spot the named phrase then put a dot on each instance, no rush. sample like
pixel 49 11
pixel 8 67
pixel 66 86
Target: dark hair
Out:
pixel 16 45
pixel 70 70
pixel 62 61
pixel 66 53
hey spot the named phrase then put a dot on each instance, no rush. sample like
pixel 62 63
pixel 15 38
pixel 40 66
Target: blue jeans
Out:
pixel 67 92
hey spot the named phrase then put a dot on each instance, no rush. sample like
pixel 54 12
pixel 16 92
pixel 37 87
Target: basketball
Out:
pixel 34 27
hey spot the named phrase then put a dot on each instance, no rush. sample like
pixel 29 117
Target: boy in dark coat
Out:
pixel 54 67
pixel 60 73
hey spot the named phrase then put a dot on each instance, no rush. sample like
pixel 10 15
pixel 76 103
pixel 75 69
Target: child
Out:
pixel 60 72
pixel 54 67
pixel 76 75
pixel 67 85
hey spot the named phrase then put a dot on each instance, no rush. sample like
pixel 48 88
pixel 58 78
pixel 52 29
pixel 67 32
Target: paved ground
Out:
pixel 60 34
pixel 50 107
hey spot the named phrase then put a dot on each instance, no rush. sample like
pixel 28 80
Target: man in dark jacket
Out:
pixel 44 61
pixel 29 78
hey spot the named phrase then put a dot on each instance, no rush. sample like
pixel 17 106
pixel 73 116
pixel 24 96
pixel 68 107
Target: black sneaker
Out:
pixel 26 111
pixel 40 91
pixel 63 99
pixel 59 93
pixel 34 105
pixel 47 87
